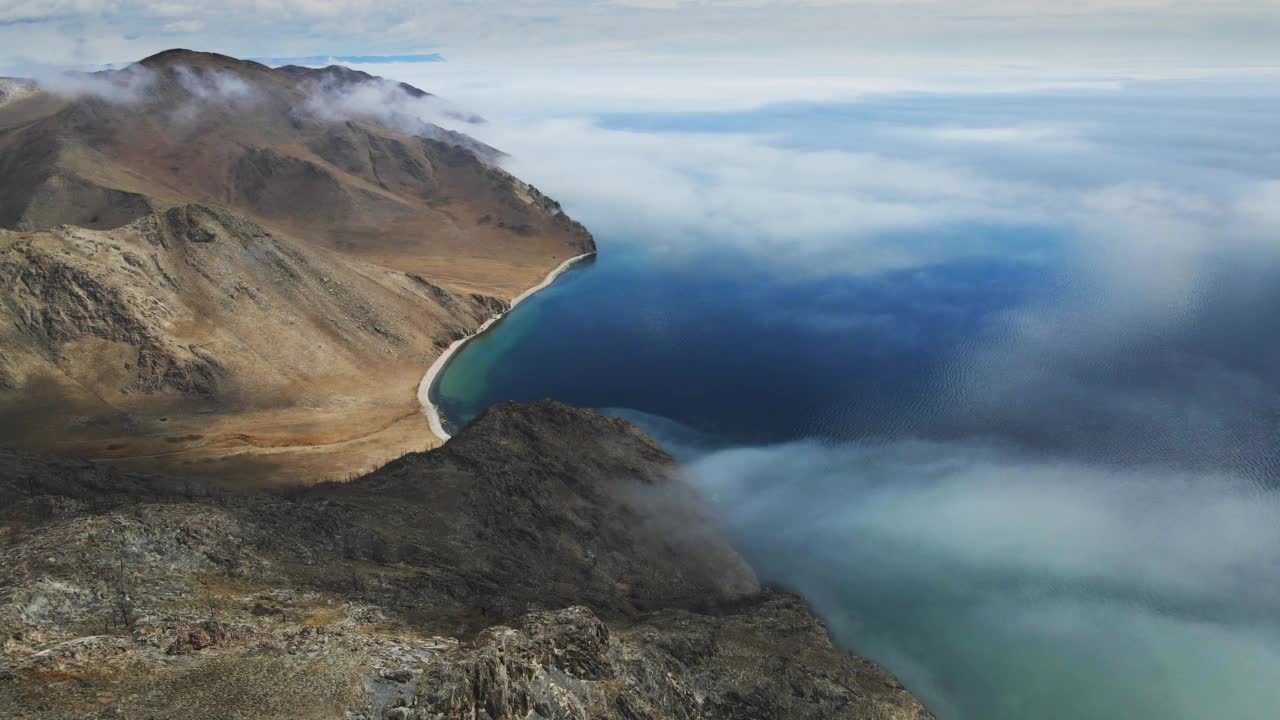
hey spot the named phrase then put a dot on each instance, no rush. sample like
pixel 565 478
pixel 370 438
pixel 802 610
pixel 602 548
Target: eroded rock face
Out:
pixel 551 666
pixel 207 634
pixel 767 658
pixel 528 569
pixel 54 301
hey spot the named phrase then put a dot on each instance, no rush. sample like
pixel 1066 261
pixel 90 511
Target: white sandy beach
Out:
pixel 424 388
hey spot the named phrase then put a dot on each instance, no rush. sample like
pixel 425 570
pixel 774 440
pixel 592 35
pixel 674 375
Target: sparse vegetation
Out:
pixel 404 590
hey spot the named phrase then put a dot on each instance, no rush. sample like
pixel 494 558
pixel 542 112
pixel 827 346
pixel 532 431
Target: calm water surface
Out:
pixel 733 352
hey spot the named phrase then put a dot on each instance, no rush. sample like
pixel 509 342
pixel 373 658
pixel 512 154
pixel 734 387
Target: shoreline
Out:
pixel 424 387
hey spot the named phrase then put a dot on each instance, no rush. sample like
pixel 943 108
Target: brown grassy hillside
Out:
pixel 244 271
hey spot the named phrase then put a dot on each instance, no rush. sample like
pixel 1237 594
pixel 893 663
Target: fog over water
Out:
pixel 1002 586
pixel 989 377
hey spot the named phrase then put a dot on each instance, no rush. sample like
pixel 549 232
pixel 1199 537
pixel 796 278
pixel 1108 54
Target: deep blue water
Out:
pixel 736 353
pixel 1033 469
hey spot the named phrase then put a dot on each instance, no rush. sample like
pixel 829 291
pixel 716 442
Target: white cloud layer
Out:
pixel 1205 31
pixel 837 198
pixel 821 210
pixel 991 581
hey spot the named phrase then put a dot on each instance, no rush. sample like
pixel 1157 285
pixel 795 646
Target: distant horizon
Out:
pixel 1108 33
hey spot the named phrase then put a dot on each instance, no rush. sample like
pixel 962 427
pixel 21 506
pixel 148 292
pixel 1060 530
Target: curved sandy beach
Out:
pixel 424 387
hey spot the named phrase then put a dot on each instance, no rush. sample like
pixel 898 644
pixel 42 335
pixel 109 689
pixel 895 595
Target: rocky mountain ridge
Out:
pixel 547 563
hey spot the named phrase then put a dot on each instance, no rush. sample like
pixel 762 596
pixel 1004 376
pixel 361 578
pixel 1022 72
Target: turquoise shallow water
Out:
pixel 1032 483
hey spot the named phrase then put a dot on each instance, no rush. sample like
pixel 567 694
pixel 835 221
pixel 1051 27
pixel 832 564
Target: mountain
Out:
pixel 546 562
pixel 242 271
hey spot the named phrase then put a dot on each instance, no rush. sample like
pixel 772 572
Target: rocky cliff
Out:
pixel 241 271
pixel 547 562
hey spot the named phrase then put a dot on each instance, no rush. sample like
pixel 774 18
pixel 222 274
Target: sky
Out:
pixel 1197 33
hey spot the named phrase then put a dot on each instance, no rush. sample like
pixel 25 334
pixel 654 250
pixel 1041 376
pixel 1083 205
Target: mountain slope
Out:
pixel 233 268
pixel 547 562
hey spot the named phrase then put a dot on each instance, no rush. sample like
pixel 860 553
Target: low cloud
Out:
pixel 1258 209
pixel 207 87
pixel 810 211
pixel 964 565
pixel 1057 137
pixel 215 85
pixel 130 86
pixel 183 26
pixel 327 98
pixel 379 98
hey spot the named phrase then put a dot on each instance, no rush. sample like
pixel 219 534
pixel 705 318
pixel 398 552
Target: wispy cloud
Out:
pixel 968 568
pixel 126 87
pixel 183 26
pixel 1025 134
pixel 811 211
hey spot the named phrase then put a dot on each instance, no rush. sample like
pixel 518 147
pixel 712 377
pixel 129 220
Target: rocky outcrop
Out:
pixel 765 658
pixel 55 303
pixel 67 199
pixel 551 664
pixel 202 224
pixel 528 569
